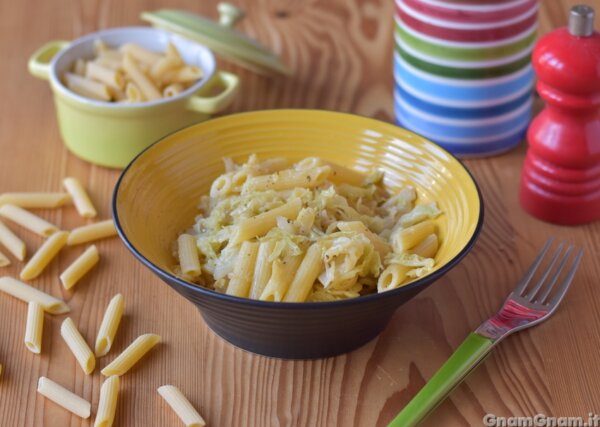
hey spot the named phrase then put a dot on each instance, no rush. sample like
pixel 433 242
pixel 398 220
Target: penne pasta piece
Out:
pixel 86 87
pixel 262 270
pixel 309 163
pixel 406 238
pixel 34 328
pixel 188 255
pixel 63 397
pixel 109 61
pixel 341 174
pixel 80 267
pixel 28 293
pixel 282 274
pixel 27 220
pixel 140 54
pixel 185 74
pixel 80 198
pixel 112 78
pixel 79 67
pixel 268 166
pixel 239 284
pixel 164 65
pixel 35 200
pixel 110 324
pixel 305 277
pixel 221 186
pixel 172 51
pixel 4 261
pixel 78 346
pixel 392 277
pixel 380 245
pixel 172 90
pixel 131 355
pixel 428 246
pixel 100 47
pixel 91 232
pixel 288 179
pixel 133 93
pixel 107 404
pixel 44 255
pixel 181 405
pixel 146 86
pixel 262 223
pixel 10 240
pixel 118 94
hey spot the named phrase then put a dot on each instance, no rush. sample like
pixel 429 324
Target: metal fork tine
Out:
pixel 536 263
pixel 531 295
pixel 562 290
pixel 554 279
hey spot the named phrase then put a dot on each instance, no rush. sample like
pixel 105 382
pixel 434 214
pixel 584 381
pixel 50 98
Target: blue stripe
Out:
pixel 461 113
pixel 454 91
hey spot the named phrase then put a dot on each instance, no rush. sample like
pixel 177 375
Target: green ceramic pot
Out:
pixel 112 134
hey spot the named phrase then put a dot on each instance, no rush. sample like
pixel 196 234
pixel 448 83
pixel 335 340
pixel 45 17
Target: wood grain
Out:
pixel 340 52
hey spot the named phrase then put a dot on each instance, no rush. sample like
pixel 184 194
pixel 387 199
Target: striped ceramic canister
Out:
pixel 462 72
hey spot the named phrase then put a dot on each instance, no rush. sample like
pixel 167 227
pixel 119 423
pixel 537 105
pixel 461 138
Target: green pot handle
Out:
pixel 466 357
pixel 214 104
pixel 39 62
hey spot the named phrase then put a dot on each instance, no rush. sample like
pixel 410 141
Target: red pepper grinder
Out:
pixel 560 181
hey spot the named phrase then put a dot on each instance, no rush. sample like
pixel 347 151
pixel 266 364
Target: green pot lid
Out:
pixel 220 37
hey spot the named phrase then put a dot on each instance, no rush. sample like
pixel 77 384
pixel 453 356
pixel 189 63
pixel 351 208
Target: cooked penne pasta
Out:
pixel 140 54
pixel 114 79
pixel 35 200
pixel 279 231
pixel 63 397
pixel 146 86
pixel 131 355
pixel 133 93
pixel 107 405
pixel 81 199
pixel 91 232
pixel 283 272
pixel 305 277
pixel 172 90
pixel 261 224
pixel 240 282
pixel 34 327
pixel 28 293
pixel 87 87
pixel 262 270
pixel 4 261
pixel 27 220
pixel 188 255
pixel 109 61
pixel 164 65
pixel 100 47
pixel 44 255
pixel 181 405
pixel 78 346
pixel 185 74
pixel 110 325
pixel 11 242
pixel 79 67
pixel 80 267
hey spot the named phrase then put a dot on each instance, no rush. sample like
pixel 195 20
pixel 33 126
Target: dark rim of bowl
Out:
pixel 426 280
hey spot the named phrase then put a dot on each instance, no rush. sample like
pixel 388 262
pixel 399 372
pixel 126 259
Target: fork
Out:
pixel 526 306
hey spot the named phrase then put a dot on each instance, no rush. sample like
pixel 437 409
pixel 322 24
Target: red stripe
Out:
pixel 469 16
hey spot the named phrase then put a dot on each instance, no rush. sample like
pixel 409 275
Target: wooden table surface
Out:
pixel 340 52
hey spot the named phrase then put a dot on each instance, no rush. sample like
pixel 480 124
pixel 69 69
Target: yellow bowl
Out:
pixel 157 195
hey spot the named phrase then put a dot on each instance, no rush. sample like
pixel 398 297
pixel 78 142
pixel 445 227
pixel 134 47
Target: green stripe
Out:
pixel 465 54
pixel 464 73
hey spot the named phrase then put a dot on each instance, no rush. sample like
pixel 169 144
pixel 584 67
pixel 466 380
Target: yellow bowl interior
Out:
pixel 159 192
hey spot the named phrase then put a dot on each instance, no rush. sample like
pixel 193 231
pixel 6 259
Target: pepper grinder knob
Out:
pixel 581 21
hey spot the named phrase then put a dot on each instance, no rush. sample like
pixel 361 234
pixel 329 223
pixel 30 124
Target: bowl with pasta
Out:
pixel 297 233
pixel 118 90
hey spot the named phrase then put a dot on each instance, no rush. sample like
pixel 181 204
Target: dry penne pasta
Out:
pixel 34 327
pixel 28 293
pixel 91 232
pixel 11 242
pixel 27 220
pixel 313 231
pixel 188 255
pixel 35 200
pixel 4 261
pixel 181 405
pixel 240 282
pixel 78 346
pixel 110 324
pixel 44 255
pixel 87 87
pixel 63 397
pixel 80 267
pixel 131 355
pixel 81 199
pixel 107 405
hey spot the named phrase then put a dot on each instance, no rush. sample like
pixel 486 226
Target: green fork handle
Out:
pixel 466 357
